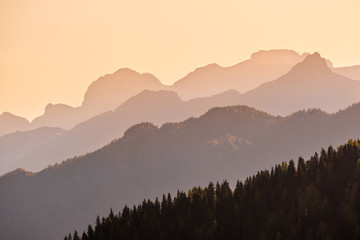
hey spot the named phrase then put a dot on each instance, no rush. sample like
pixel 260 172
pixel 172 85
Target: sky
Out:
pixel 50 51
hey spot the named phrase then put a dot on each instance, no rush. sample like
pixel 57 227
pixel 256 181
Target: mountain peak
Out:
pixel 11 118
pixel 139 131
pixel 312 64
pixel 7 114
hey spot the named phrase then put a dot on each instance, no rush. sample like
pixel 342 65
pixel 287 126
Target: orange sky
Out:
pixel 50 51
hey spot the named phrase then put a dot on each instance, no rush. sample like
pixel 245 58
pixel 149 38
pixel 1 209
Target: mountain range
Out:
pixel 111 90
pixel 225 143
pixel 309 84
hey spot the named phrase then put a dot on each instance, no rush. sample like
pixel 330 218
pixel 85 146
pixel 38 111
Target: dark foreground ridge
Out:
pixel 318 199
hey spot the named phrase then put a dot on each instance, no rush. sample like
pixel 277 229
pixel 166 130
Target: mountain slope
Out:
pixel 310 201
pixel 225 143
pixel 309 84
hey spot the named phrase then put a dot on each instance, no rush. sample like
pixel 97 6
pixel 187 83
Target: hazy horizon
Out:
pixel 51 51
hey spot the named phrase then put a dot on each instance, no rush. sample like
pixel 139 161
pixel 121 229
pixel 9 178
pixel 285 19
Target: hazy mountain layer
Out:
pixel 104 94
pixel 111 90
pixel 225 143
pixel 352 72
pixel 15 146
pixel 263 66
pixel 10 123
pixel 156 107
pixel 309 84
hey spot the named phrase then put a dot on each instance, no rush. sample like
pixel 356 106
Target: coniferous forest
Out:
pixel 314 199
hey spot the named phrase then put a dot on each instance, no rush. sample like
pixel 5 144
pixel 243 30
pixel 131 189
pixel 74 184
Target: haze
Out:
pixel 52 50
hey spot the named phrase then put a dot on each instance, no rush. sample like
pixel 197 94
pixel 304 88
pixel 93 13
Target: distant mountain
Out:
pixel 59 115
pixel 263 66
pixel 104 94
pixel 157 107
pixel 352 72
pixel 11 123
pixel 309 84
pixel 17 145
pixel 225 143
pixel 110 91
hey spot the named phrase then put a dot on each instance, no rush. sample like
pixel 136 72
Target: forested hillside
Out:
pixel 314 199
pixel 226 143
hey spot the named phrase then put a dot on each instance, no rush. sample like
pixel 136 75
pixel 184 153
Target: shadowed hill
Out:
pixel 225 143
pixel 307 200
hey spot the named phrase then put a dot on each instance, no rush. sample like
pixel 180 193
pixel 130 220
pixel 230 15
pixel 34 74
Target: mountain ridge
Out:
pixel 223 143
pixel 309 84
pixel 273 64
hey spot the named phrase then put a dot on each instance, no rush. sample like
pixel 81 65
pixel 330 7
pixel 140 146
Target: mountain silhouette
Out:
pixel 212 79
pixel 157 107
pixel 309 84
pixel 104 94
pixel 225 143
pixel 59 115
pixel 10 123
pixel 352 72
pixel 110 91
